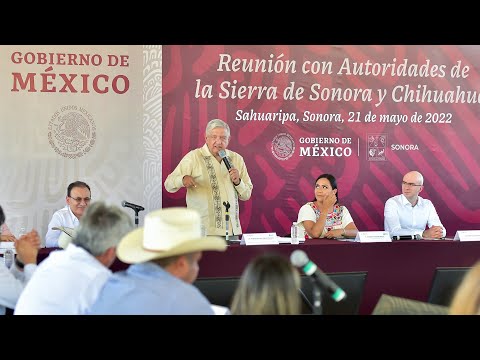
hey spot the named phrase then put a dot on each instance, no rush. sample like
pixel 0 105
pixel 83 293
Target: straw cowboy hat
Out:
pixel 167 232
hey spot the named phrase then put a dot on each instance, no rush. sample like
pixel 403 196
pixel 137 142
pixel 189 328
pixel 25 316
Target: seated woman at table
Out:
pixel 324 217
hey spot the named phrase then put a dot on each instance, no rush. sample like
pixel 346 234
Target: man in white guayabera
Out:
pixel 213 187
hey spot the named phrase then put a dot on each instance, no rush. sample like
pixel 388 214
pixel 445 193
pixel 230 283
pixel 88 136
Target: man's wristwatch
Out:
pixel 19 264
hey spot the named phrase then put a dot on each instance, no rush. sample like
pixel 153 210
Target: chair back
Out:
pixel 352 283
pixel 444 284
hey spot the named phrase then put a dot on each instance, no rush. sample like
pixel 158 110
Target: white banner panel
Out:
pixel 89 113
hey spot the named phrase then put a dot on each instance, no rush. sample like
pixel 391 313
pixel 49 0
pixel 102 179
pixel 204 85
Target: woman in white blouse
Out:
pixel 324 217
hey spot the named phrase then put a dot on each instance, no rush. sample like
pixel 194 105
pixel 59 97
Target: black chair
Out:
pixel 219 291
pixel 9 311
pixel 351 282
pixel 444 284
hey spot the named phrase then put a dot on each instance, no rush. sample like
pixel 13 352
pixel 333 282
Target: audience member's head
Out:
pixel 466 300
pixel 101 229
pixel 171 238
pixel 78 197
pixel 269 286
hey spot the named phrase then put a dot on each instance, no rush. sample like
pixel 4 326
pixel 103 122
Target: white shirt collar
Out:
pixel 405 201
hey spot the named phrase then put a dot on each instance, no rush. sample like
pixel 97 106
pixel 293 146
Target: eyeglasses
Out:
pixel 79 199
pixel 409 184
pixel 223 139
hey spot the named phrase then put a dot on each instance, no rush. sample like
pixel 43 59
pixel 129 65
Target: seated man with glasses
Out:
pixel 78 198
pixel 410 214
pixel 211 187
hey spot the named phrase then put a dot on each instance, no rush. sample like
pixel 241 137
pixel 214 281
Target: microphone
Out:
pixel 300 259
pixel 223 155
pixel 132 206
pixel 406 237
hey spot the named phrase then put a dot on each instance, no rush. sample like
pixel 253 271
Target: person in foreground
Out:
pixel 13 280
pixel 269 285
pixel 466 300
pixel 165 255
pixel 78 198
pixel 209 184
pixel 324 217
pixel 67 282
pixel 410 214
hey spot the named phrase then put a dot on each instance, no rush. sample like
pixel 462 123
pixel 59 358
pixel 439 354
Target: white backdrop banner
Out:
pixel 89 113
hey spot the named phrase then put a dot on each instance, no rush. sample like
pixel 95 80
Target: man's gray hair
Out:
pixel 215 123
pixel 102 227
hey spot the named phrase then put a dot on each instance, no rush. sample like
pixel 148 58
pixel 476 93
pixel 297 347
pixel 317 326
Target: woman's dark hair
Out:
pixel 2 216
pixel 331 179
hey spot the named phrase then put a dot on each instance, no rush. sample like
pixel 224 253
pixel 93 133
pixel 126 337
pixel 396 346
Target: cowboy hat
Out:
pixel 167 232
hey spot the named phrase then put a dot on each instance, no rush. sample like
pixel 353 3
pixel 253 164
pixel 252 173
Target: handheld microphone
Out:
pixel 132 206
pixel 406 237
pixel 300 259
pixel 223 155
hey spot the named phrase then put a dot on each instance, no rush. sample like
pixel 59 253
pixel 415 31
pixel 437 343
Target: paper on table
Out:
pixel 220 310
pixel 65 237
pixel 66 230
pixel 259 239
pixel 7 244
pixel 4 245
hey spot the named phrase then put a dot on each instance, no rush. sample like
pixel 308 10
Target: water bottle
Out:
pixel 8 256
pixel 21 232
pixel 294 233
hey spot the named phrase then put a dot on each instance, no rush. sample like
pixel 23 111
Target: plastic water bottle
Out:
pixel 21 232
pixel 294 233
pixel 8 256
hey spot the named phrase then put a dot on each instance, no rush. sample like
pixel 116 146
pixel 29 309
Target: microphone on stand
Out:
pixel 227 218
pixel 300 259
pixel 132 206
pixel 135 207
